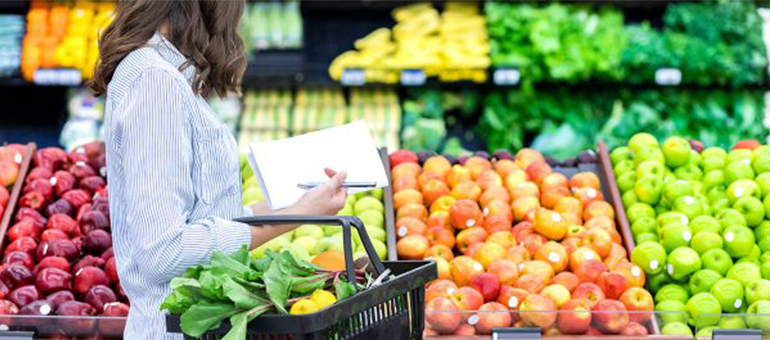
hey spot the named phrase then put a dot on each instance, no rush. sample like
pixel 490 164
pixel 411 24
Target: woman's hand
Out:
pixel 327 199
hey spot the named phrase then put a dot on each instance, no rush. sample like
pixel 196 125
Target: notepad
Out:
pixel 280 165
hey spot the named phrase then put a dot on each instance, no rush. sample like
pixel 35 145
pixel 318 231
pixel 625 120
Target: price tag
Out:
pixel 16 335
pixel 413 77
pixel 506 76
pixel 736 334
pixel 60 77
pixel 353 77
pixel 668 76
pixel 527 333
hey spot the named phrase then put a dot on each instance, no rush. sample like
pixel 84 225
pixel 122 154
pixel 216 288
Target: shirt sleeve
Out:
pixel 157 156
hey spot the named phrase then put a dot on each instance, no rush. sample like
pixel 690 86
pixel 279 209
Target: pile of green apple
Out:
pixel 701 224
pixel 252 193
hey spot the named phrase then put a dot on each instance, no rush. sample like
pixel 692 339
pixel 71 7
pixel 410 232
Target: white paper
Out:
pixel 280 165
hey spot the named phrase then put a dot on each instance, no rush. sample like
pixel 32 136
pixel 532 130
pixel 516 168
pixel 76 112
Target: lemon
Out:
pixel 323 298
pixel 304 306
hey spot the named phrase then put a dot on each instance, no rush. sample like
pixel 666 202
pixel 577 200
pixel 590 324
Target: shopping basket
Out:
pixel 394 309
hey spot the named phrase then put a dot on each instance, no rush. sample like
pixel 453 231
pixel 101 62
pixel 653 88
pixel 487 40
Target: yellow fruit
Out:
pixel 323 298
pixel 304 306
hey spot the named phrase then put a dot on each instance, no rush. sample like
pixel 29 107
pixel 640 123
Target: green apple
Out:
pixel 706 332
pixel 626 181
pixel 752 209
pixel 311 230
pixel 377 193
pixel 706 240
pixel 698 188
pixel 738 170
pixel 275 244
pixel 648 153
pixel 765 270
pixel 730 217
pixel 660 210
pixel 745 273
pixel 368 203
pixel 676 189
pixel 757 290
pixel 682 262
pixel 713 178
pixel 646 237
pixel 643 225
pixel 739 241
pixel 676 328
pixel 307 242
pixel 379 248
pixel 672 292
pixel 763 181
pixel 729 292
pixel 358 254
pixel 750 260
pixel 703 310
pixel 674 236
pixel 346 211
pixel 330 230
pixel 732 322
pixel 743 188
pixel 766 202
pixel 360 195
pixel 671 311
pixel 755 253
pixel 351 200
pixel 621 153
pixel 677 151
pixel 695 157
pixel 649 256
pixel 373 218
pixel 653 168
pixel 322 245
pixel 759 316
pixel 762 230
pixel 376 233
pixel 739 155
pixel 689 172
pixel 691 207
pixel 703 280
pixel 298 251
pixel 658 281
pixel 764 243
pixel 638 211
pixel 642 139
pixel 252 195
pixel 672 217
pixel 623 167
pixel 705 223
pixel 629 198
pixel 719 205
pixel 669 177
pixel 716 193
pixel 648 189
pixel 765 257
pixel 713 158
pixel 761 161
pixel 717 260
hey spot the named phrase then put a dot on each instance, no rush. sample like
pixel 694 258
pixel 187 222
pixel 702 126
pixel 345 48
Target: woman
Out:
pixel 173 171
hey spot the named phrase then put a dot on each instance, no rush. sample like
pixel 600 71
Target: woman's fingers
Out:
pixel 330 172
pixel 338 179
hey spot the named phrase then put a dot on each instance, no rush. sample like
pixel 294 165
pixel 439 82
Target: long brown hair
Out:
pixel 205 31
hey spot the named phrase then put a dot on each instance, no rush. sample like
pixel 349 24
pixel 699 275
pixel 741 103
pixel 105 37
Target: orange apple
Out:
pixel 433 190
pixel 438 165
pixel 537 268
pixel 469 236
pixel 634 329
pixel 412 247
pixel 495 315
pixel 495 193
pixel 512 298
pixel 442 203
pixel 589 291
pixel 550 224
pixel 538 170
pixel 576 231
pixel 613 284
pixel 440 250
pixel 472 249
pixel 618 251
pixel 409 226
pixel 581 255
pixel 599 208
pixel 488 253
pixel 514 178
pixel 443 268
pixel 441 235
pixel 477 165
pixel 588 195
pixel 614 262
pixel 408 169
pixel 463 268
pixel 504 238
pixel 611 318
pixel 467 299
pixel 439 219
pixel 405 182
pixel 637 301
pixel 488 179
pixel 505 167
pixel 496 223
pixel 526 156
pixel 557 293
pixel 498 208
pixel 506 270
pixel 458 175
pixel 465 330
pixel 525 189
pixel 467 191
pixel 603 222
pixel 531 283
pixel 567 279
pixel 439 288
pixel 466 214
pixel 424 178
pixel 533 311
pixel 569 205
pixel 533 242
pixel 589 271
pixel 575 317
pixel 571 219
pixel 553 180
pixel 407 196
pixel 522 229
pixel 442 315
pixel 417 211
pixel 571 243
pixel 523 206
pixel 635 276
pixel 551 196
pixel 599 240
pixel 584 180
pixel 518 254
pixel 554 254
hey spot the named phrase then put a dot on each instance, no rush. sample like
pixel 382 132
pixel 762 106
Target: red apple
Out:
pixel 487 284
pixel 575 317
pixel 613 284
pixel 533 311
pixel 634 329
pixel 610 316
pixel 638 301
pixel 442 315
pixel 589 291
pixel 493 314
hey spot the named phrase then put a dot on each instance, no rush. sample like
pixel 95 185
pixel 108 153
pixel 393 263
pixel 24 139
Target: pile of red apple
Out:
pixel 514 243
pixel 57 256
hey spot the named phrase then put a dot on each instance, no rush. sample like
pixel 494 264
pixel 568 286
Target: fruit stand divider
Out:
pixel 10 209
pixel 50 327
pixel 607 177
pixel 390 218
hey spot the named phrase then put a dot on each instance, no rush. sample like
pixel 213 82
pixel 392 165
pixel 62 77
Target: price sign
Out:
pixel 353 77
pixel 413 77
pixel 60 77
pixel 9 335
pixel 528 333
pixel 737 334
pixel 668 76
pixel 506 76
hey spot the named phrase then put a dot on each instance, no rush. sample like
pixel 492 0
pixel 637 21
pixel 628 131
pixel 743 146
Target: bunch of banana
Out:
pixel 465 43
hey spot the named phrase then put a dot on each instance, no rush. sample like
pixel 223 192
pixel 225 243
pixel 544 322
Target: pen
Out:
pixel 358 185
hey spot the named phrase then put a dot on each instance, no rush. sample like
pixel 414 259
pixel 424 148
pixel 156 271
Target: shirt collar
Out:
pixel 168 52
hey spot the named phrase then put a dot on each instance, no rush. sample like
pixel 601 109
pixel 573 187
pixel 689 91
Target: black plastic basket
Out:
pixel 394 309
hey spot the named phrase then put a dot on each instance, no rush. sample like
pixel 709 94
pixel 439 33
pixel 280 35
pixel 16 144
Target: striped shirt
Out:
pixel 174 180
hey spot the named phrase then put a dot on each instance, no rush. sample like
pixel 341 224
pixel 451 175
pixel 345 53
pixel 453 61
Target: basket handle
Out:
pixel 347 239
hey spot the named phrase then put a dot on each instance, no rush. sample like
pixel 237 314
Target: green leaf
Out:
pixel 242 297
pixel 223 264
pixel 308 284
pixel 278 284
pixel 204 316
pixel 240 322
pixel 344 289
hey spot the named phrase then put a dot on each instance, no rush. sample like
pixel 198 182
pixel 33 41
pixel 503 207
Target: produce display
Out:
pixel 452 45
pixel 11 34
pixel 272 25
pixel 57 253
pixel 701 222
pixel 64 34
pixel 240 288
pixel 511 235
pixel 431 114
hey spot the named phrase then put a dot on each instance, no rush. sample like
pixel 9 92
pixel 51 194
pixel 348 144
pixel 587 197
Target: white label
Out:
pixel 471 222
pixel 521 267
pixel 53 181
pixel 64 77
pixel 668 76
pixel 588 256
pixel 486 211
pixel 478 266
pixel 746 161
pixel 506 76
pixel 80 163
pixel 45 309
pixel 738 191
pixel 556 217
pixel 45 249
pixel 103 171
pixel 729 236
pixel 681 181
pixel 81 150
pixel 591 193
pixel 688 200
pixel 554 257
pixel 450 291
pixel 635 271
pixel 402 231
pixel 686 235
pixel 353 77
pixel 670 269
pixel 685 220
pixel 18 158
pixel 474 319
pixel 79 271
pixel 413 77
pixel 513 302
pixel 4 327
pixel 654 264
pixel 738 303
